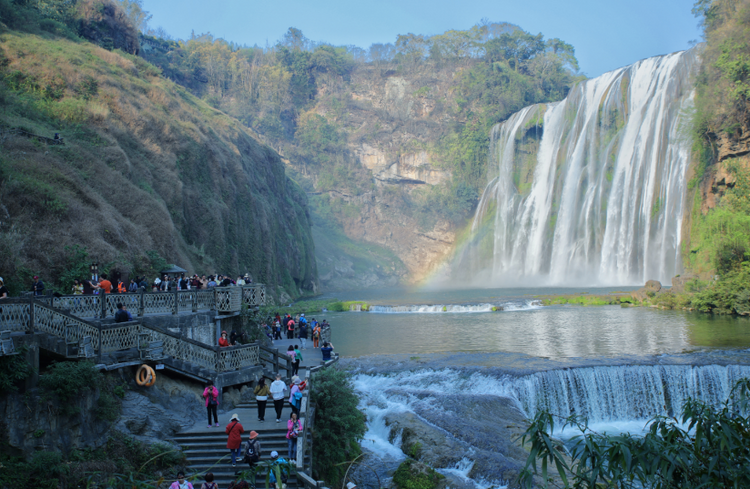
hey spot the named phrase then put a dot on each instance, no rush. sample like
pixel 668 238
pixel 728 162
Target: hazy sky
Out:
pixel 606 34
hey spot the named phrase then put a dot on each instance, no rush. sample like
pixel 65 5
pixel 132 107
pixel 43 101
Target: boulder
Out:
pixel 651 288
pixel 653 285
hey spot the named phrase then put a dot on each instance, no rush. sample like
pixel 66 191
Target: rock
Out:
pixel 653 285
pixel 231 397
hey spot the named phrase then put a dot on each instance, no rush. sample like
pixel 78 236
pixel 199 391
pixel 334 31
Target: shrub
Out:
pixel 13 369
pixel 706 447
pixel 68 381
pixel 411 475
pixel 339 425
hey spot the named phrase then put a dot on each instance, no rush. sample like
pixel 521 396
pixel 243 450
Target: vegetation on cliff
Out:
pixel 148 173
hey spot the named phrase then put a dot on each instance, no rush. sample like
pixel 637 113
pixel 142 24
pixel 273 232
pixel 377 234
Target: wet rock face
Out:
pixel 481 428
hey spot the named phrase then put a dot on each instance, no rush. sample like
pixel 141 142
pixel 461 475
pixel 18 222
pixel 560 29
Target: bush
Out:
pixel 411 475
pixel 69 381
pixel 13 369
pixel 339 425
pixel 706 447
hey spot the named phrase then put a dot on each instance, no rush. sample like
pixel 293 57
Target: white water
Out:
pixel 602 200
pixel 613 398
pixel 519 305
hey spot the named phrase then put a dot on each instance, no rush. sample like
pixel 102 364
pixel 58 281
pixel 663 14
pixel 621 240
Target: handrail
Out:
pixel 224 299
pixel 274 360
pixel 38 316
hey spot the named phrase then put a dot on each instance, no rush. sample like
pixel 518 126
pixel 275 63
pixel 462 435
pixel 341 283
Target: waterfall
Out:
pixel 589 190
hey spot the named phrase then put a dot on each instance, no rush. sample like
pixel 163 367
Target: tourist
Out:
pixel 277 330
pixel 223 341
pixel 316 333
pixel 295 395
pixel 261 396
pixel 293 430
pixel 326 351
pixel 290 353
pixel 240 281
pixel 88 287
pixel 226 282
pixel 325 333
pixel 133 287
pixel 297 360
pixel 105 284
pixel 233 336
pixel 211 282
pixel 122 315
pixel 38 286
pixel 209 484
pixel 196 283
pixel 303 333
pixel 4 294
pixel 77 288
pixel 283 466
pixel 252 449
pixel 212 402
pixel 289 327
pixel 234 432
pixel 277 392
pixel 181 483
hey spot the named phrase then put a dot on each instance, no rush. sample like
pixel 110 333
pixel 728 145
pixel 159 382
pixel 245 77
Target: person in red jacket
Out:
pixel 223 341
pixel 211 393
pixel 234 432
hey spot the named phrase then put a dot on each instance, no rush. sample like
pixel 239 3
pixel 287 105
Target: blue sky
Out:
pixel 606 34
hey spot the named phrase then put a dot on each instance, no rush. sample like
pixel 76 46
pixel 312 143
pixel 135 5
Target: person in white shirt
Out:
pixel 277 392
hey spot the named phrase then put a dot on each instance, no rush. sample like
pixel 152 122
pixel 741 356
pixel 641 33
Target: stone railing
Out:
pixel 222 299
pixel 31 315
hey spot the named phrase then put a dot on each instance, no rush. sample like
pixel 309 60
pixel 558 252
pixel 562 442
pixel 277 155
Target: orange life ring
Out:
pixel 145 376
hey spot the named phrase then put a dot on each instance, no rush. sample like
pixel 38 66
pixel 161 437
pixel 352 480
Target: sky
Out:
pixel 606 34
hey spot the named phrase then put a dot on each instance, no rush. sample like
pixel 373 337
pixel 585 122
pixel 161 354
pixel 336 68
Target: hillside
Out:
pixel 149 174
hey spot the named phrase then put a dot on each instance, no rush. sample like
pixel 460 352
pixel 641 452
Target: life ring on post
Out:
pixel 145 376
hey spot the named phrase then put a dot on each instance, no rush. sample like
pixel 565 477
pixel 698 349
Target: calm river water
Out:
pixel 425 321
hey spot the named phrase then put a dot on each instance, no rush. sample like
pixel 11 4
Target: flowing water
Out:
pixel 591 189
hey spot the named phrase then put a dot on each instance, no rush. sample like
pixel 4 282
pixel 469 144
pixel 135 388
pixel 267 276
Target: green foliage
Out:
pixel 728 295
pixel 410 476
pixel 339 425
pixel 585 300
pixel 13 369
pixel 76 267
pixel 704 447
pixel 69 381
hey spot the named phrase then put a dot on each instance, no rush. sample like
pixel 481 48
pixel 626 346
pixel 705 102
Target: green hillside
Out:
pixel 148 173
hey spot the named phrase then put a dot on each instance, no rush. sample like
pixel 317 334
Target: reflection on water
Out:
pixel 554 332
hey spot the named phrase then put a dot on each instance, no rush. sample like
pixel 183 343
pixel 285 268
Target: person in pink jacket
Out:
pixel 234 432
pixel 181 483
pixel 211 394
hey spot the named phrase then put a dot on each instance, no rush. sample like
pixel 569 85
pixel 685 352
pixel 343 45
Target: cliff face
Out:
pixel 393 122
pixel 147 170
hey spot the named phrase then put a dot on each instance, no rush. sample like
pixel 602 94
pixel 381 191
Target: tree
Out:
pixel 339 425
pixel 138 17
pixel 706 448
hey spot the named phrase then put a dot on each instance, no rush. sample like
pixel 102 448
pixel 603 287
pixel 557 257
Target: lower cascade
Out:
pixel 462 403
pixel 589 190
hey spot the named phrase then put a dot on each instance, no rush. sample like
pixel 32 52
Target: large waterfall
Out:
pixel 592 189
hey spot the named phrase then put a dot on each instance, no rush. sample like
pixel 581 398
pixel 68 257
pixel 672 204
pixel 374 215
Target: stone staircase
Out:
pixel 205 448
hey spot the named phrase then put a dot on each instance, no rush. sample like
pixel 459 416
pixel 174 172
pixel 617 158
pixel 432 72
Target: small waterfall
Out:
pixel 590 189
pixel 517 305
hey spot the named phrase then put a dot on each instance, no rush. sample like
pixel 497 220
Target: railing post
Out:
pixel 140 301
pixel 103 303
pixel 31 314
pixel 195 300
pixel 175 307
pixel 276 361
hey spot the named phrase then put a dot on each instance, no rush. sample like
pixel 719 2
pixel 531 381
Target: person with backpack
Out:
pixel 292 355
pixel 303 333
pixel 280 465
pixel 234 432
pixel 252 450
pixel 295 395
pixel 289 327
pixel 294 429
pixel 209 484
pixel 212 402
